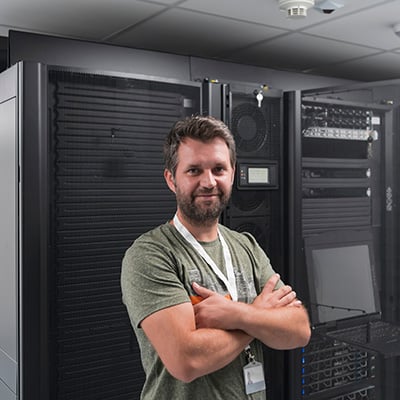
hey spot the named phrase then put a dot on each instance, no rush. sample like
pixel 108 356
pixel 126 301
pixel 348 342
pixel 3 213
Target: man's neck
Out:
pixel 202 233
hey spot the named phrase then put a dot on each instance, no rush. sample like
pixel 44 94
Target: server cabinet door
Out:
pixel 93 182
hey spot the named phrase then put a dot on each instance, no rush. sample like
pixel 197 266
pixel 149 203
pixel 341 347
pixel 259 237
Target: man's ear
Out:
pixel 169 179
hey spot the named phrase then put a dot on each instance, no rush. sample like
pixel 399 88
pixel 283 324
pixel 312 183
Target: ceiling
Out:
pixel 355 42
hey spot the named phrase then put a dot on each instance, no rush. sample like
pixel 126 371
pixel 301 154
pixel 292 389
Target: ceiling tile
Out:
pixel 261 11
pixel 267 11
pixel 193 33
pixel 89 19
pixel 166 2
pixel 371 27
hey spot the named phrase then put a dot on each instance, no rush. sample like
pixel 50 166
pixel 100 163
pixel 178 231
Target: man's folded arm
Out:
pixel 188 352
pixel 275 317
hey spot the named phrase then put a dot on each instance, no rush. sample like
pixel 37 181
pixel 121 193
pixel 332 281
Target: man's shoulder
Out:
pixel 161 231
pixel 159 240
pixel 152 238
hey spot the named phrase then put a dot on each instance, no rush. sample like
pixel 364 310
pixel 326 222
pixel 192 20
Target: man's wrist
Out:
pixel 241 314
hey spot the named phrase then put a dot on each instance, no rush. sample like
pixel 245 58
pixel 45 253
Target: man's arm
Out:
pixel 189 351
pixel 275 317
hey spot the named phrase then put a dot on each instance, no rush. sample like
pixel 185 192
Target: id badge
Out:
pixel 254 380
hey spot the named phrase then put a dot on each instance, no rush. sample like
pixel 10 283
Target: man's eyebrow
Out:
pixel 192 165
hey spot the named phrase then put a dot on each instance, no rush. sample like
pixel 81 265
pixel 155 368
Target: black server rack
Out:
pixel 256 206
pixel 340 176
pixel 91 181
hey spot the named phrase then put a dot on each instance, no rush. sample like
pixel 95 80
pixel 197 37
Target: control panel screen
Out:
pixel 258 175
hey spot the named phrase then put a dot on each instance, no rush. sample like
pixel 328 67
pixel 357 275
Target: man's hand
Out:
pixel 276 317
pixel 218 312
pixel 214 311
pixel 275 298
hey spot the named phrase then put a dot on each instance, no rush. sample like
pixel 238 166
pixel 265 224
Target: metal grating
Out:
pixel 108 188
pixel 257 132
pixel 256 129
pixel 323 214
pixel 330 367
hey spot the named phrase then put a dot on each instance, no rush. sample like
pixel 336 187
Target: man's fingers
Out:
pixel 288 297
pixel 296 303
pixel 202 291
pixel 285 290
pixel 271 283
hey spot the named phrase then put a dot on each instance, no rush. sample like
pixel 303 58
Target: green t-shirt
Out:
pixel 157 272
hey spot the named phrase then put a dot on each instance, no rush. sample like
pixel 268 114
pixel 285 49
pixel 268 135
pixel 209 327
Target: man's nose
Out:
pixel 208 179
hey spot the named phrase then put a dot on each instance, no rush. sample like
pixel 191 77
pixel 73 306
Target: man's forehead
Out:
pixel 194 144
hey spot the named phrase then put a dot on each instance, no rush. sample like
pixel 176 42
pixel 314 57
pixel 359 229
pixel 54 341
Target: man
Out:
pixel 200 296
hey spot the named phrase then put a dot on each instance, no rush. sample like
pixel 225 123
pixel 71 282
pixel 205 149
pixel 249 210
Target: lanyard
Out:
pixel 230 281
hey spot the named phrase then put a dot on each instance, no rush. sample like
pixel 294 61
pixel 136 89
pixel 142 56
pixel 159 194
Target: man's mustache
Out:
pixel 211 192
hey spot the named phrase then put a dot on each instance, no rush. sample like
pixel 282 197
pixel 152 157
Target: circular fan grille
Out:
pixel 247 201
pixel 249 127
pixel 255 230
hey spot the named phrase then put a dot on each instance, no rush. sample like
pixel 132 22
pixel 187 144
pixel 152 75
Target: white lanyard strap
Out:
pixel 230 281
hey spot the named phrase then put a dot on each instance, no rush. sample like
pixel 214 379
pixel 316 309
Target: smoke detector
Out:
pixel 295 8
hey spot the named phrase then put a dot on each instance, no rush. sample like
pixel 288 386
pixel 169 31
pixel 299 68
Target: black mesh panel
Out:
pixel 108 188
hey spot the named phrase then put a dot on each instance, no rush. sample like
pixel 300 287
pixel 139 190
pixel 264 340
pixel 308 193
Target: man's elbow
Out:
pixel 304 331
pixel 185 376
pixel 292 340
pixel 305 335
pixel 300 335
pixel 184 371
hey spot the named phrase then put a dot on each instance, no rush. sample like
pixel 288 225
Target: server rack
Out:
pixel 340 176
pixel 89 180
pixel 256 123
pixel 256 207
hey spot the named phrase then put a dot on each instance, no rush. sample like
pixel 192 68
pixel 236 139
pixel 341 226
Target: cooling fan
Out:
pixel 249 126
pixel 248 202
pixel 259 233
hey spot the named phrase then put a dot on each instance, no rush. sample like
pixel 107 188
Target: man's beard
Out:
pixel 201 215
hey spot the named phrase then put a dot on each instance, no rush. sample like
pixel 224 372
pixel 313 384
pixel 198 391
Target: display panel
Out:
pixel 340 269
pixel 259 176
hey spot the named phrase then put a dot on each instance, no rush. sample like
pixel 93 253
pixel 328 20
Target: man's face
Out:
pixel 203 180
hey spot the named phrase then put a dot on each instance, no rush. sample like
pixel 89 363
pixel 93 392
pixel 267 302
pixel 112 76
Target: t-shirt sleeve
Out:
pixel 150 280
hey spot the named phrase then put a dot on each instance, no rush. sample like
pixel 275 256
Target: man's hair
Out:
pixel 203 128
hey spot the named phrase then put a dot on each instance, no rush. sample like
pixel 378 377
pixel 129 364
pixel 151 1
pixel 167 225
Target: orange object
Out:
pixel 197 299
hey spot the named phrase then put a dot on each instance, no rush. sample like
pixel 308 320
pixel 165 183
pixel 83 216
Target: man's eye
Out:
pixel 193 171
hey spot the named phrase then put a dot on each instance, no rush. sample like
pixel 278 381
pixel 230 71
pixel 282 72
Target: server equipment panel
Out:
pixel 91 181
pixel 340 152
pixel 330 367
pixel 256 204
pixel 337 146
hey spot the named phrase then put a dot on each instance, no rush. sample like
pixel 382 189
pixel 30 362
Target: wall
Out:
pixel 101 57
